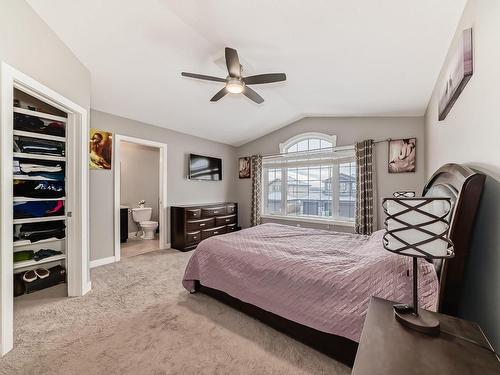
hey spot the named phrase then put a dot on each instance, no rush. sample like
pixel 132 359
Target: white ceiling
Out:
pixel 342 58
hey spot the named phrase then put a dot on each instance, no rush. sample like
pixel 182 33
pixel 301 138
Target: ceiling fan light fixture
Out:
pixel 235 86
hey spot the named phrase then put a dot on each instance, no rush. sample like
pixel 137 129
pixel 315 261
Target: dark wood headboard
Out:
pixel 464 187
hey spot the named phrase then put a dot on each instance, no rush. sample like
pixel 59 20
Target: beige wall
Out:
pixel 348 131
pixel 470 134
pixel 180 190
pixel 140 180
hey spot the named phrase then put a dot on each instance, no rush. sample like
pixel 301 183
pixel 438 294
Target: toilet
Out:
pixel 141 216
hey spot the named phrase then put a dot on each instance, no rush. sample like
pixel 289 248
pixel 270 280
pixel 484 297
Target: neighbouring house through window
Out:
pixel 310 179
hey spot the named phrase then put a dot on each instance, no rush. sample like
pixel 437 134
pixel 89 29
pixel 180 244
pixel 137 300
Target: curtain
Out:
pixel 365 187
pixel 256 170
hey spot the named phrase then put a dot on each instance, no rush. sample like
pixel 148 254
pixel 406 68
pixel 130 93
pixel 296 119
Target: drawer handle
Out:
pixel 216 232
pixel 216 212
pixel 195 237
pixel 228 220
pixel 202 225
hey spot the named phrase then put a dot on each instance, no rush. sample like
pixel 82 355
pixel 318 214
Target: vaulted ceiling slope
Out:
pixel 342 58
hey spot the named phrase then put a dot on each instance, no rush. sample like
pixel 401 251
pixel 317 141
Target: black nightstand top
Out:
pixel 386 347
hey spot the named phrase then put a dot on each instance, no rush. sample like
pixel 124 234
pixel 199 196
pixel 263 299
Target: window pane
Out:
pixel 302 174
pixel 314 143
pixel 302 145
pixel 272 191
pixel 312 189
pixel 314 173
pixel 325 144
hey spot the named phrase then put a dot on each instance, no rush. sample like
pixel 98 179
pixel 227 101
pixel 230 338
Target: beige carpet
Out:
pixel 138 320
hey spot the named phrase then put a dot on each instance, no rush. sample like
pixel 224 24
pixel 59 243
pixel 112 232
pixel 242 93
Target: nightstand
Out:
pixel 386 347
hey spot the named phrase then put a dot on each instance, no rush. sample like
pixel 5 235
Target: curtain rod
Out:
pixel 348 147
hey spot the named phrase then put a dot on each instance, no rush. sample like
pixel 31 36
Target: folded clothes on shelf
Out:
pixel 34 232
pixel 38 189
pixel 21 256
pixel 38 125
pixel 36 209
pixel 38 146
pixel 45 253
pixel 39 168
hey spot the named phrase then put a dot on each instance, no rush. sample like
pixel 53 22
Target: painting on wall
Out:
pixel 458 73
pixel 402 155
pixel 100 149
pixel 244 167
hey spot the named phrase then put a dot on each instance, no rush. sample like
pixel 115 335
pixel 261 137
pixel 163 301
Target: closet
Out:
pixel 40 186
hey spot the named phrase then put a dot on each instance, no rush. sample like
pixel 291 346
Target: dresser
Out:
pixel 190 224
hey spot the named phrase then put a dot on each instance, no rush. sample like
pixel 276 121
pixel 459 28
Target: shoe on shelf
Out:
pixel 42 273
pixel 29 276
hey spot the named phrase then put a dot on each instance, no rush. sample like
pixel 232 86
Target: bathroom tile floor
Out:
pixel 136 246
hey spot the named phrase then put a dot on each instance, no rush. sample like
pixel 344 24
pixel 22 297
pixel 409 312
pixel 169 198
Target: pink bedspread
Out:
pixel 317 278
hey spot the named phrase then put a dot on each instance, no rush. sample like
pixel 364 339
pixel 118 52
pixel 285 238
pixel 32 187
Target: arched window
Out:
pixel 308 142
pixel 311 179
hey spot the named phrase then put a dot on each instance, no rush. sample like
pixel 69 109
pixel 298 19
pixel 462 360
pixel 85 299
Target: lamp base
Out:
pixel 424 322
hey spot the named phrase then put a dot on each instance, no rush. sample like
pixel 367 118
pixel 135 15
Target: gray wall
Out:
pixel 139 180
pixel 470 135
pixel 30 46
pixel 179 189
pixel 348 131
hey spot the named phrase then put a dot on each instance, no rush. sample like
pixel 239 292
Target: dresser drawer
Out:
pixel 196 225
pixel 193 237
pixel 224 220
pixel 193 213
pixel 231 228
pixel 231 208
pixel 212 232
pixel 213 211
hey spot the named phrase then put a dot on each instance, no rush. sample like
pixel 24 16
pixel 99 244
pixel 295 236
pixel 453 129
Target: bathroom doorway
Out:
pixel 140 196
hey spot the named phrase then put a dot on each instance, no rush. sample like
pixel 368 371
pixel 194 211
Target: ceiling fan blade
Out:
pixel 264 78
pixel 220 95
pixel 251 94
pixel 233 63
pixel 204 77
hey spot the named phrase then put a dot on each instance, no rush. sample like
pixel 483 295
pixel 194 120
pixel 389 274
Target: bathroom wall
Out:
pixel 140 180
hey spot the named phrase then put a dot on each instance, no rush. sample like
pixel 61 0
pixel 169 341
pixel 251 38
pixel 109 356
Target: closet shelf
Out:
pixel 31 263
pixel 24 155
pixel 22 133
pixel 33 178
pixel 39 219
pixel 26 199
pixel 28 243
pixel 39 114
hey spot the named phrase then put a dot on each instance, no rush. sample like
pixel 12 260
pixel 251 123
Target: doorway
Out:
pixel 140 196
pixel 75 252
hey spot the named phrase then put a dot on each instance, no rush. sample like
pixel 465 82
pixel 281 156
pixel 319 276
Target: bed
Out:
pixel 315 285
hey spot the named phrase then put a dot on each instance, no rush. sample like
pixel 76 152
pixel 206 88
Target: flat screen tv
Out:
pixel 205 168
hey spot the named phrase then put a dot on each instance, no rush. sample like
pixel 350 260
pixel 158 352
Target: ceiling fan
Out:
pixel 235 82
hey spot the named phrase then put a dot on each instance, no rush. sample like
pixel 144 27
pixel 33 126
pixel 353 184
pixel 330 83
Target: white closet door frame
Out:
pixel 77 241
pixel 162 214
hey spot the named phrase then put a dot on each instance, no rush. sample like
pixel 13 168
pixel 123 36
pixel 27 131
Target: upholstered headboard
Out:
pixel 464 187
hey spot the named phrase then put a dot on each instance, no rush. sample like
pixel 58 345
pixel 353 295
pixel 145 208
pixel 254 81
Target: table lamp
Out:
pixel 417 227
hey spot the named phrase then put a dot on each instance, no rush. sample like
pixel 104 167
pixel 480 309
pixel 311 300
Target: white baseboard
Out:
pixel 102 262
pixel 87 288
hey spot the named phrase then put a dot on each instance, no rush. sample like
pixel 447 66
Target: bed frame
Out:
pixel 464 187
